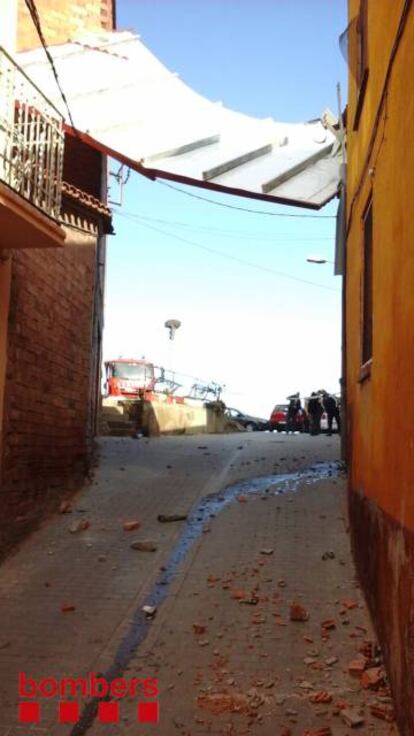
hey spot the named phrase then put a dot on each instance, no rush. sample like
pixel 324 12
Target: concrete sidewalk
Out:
pixel 228 658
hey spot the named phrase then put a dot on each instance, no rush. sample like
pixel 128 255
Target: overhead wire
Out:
pixel 242 209
pixel 242 261
pixel 31 5
pixel 220 231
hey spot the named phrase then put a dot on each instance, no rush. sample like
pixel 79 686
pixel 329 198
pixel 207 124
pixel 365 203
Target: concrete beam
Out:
pixel 268 186
pixel 187 148
pixel 234 163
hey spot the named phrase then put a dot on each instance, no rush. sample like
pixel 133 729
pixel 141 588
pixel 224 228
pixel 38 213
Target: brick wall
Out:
pixel 54 328
pixel 64 19
pixel 82 166
pixel 48 373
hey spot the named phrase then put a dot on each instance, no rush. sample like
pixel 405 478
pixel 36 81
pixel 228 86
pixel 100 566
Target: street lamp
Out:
pixel 318 259
pixel 172 325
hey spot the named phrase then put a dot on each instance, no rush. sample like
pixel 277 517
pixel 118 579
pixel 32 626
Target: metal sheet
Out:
pixel 131 106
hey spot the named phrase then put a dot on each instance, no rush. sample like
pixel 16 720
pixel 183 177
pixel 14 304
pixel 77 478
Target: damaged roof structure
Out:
pixel 127 104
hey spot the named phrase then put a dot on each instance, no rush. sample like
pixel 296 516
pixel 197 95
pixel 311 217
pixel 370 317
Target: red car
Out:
pixel 278 419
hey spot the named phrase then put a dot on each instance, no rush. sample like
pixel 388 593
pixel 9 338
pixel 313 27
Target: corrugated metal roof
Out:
pixel 126 102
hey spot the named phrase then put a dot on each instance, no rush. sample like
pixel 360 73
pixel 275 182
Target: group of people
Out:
pixel 318 403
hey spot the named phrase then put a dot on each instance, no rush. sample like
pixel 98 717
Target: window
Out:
pixel 361 53
pixel 362 31
pixel 133 371
pixel 367 295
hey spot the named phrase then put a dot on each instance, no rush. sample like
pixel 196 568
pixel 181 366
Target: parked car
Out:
pixel 278 419
pixel 251 424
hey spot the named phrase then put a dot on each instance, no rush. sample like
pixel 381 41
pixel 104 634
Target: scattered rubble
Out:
pixel 372 678
pixel 382 711
pixel 79 526
pixel 298 612
pixel 199 629
pixel 67 607
pixel 357 666
pixel 65 507
pixel 352 718
pixel 238 595
pixel 234 702
pixel 130 526
pixel 149 611
pixel 145 545
pixel 164 518
pixel 327 625
pixel 321 697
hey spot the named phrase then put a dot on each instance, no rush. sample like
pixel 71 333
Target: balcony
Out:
pixel 31 160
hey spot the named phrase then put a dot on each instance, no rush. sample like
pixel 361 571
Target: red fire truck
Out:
pixel 129 378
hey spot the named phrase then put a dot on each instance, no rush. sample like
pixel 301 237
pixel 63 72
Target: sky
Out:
pixel 238 281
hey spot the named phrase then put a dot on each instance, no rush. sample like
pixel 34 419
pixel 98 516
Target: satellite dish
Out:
pixel 172 325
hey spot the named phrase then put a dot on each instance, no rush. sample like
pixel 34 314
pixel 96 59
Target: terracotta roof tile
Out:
pixel 87 200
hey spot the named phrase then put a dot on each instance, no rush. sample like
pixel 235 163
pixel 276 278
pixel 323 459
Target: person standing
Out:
pixel 315 411
pixel 292 413
pixel 332 411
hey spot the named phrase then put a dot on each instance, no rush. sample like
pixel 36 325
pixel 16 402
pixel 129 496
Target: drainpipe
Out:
pixel 342 235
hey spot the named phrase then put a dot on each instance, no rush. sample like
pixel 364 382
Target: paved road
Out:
pixel 223 667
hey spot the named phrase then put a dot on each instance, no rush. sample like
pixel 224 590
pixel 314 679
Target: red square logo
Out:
pixel 29 712
pixel 148 712
pixel 108 712
pixel 68 712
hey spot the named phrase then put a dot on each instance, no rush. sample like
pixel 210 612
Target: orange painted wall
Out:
pixel 381 408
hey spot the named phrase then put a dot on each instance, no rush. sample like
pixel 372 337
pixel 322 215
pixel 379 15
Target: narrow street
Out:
pixel 228 657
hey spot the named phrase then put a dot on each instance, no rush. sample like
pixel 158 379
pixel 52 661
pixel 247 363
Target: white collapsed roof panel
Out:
pixel 126 102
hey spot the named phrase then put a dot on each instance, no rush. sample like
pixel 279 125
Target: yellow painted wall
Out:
pixel 381 409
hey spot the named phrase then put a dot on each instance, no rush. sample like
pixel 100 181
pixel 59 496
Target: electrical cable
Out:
pixel 235 258
pixel 239 234
pixel 31 5
pixel 242 209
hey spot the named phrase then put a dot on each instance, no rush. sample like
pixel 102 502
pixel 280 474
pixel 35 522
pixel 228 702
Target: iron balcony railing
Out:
pixel 31 139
